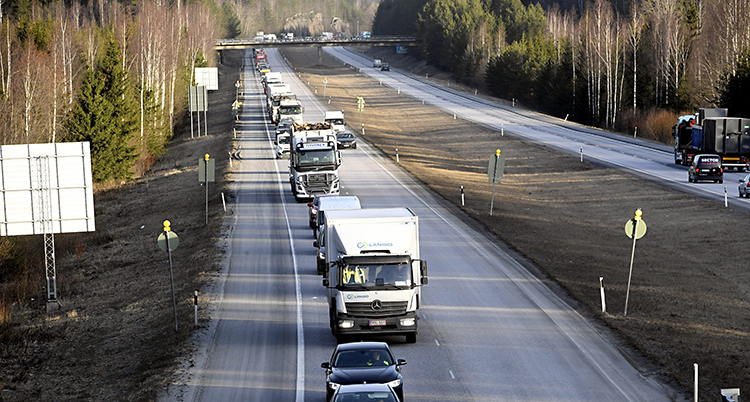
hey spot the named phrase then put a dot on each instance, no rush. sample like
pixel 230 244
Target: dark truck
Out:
pixel 711 132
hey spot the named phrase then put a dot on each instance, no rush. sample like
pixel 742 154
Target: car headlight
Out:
pixel 333 385
pixel 395 383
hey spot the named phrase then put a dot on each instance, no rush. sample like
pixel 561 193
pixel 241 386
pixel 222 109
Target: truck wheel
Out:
pixel 411 338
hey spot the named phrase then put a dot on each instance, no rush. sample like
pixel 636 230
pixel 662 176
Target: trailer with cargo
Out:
pixel 710 131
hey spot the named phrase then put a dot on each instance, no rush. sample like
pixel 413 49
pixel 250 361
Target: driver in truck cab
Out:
pixel 354 275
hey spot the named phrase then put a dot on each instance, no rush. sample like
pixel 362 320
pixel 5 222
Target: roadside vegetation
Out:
pixel 613 64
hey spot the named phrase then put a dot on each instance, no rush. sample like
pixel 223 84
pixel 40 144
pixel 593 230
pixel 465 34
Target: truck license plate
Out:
pixel 377 323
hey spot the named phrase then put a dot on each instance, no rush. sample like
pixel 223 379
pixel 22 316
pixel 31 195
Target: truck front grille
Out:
pixel 376 308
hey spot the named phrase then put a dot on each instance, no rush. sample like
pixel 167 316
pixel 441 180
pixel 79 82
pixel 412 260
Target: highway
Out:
pixel 646 159
pixel 489 330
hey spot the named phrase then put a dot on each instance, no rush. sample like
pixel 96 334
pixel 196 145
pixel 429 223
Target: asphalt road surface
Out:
pixel 488 330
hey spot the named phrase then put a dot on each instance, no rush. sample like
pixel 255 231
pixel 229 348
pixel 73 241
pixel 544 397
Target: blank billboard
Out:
pixel 46 183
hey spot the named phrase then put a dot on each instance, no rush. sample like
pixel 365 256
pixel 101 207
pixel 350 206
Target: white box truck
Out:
pixel 336 118
pixel 374 274
pixel 325 204
pixel 313 160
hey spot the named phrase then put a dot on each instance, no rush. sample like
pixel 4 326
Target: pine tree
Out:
pixel 106 115
pixel 90 120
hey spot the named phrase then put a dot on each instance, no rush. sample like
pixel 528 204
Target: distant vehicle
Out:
pixel 336 119
pixel 743 186
pixel 312 208
pixel 365 392
pixel 346 140
pixel 377 63
pixel 385 67
pixel 706 167
pixel 363 363
pixel 366 34
pixel 710 131
pixel 326 205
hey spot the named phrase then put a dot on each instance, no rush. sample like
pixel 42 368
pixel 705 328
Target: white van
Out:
pixel 376 63
pixel 336 119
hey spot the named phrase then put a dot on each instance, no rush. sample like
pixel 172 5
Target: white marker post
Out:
pixel 396 155
pixel 462 196
pixel 601 291
pixel 195 306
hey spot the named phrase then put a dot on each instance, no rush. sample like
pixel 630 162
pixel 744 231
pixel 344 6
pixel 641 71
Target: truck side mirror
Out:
pixel 423 271
pixel 325 282
pixel 338 157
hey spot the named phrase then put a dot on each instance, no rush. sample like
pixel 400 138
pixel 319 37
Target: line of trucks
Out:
pixel 368 257
pixel 711 131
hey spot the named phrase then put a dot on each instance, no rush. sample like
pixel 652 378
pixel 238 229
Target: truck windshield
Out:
pixel 290 110
pixel 335 121
pixel 393 276
pixel 316 157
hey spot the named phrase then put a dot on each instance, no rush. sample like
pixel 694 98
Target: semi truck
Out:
pixel 374 274
pixel 710 131
pixel 290 108
pixel 313 160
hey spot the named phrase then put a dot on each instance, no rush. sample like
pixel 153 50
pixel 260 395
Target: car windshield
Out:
pixel 363 358
pixel 365 397
pixel 345 136
pixel 283 139
pixel 389 276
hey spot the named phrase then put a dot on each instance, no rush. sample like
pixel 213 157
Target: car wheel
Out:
pixel 354 146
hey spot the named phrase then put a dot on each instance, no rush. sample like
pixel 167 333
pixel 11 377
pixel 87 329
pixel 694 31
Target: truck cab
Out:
pixel 313 161
pixel 336 119
pixel 373 274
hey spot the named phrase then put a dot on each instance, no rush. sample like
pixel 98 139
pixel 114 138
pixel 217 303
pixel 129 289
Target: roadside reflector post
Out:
pixel 726 201
pixel 635 132
pixel 502 129
pixel 475 92
pixel 462 196
pixel 399 90
pixel 195 306
pixel 566 116
pixel 601 291
pixel 695 382
pixel 223 201
pixel 396 155
pixel 581 154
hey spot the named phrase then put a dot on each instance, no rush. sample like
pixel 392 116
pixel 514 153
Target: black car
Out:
pixel 346 140
pixel 365 393
pixel 363 363
pixel 385 67
pixel 706 167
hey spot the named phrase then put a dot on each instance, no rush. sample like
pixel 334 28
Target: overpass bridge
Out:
pixel 411 41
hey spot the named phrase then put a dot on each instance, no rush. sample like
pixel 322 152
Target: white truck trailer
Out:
pixel 374 274
pixel 313 160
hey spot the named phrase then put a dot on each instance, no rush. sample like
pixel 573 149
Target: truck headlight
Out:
pixel 407 322
pixel 346 324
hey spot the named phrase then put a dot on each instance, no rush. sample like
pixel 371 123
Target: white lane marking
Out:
pixel 436 342
pixel 300 392
pixel 451 373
